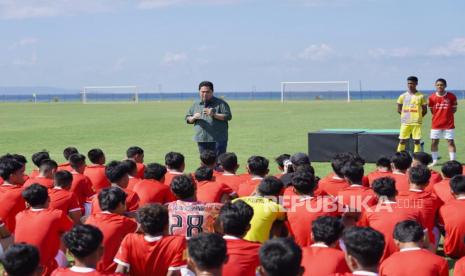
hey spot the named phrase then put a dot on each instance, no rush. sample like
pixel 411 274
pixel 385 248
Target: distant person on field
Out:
pixel 443 105
pixel 136 154
pixel 412 107
pixel 210 116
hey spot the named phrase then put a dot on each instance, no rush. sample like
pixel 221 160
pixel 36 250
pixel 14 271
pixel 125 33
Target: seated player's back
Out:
pixel 64 167
pixel 356 197
pixel 242 257
pixel 152 191
pixel 63 200
pixel 247 188
pixel 451 216
pixel 442 190
pixel 321 260
pixel 96 174
pixel 402 182
pixel 377 174
pixel 232 180
pixel 132 182
pixel 212 191
pixel 459 267
pixel 81 187
pixel 11 204
pixel 332 184
pixel 132 202
pixel 414 261
pixel 46 182
pixel 170 175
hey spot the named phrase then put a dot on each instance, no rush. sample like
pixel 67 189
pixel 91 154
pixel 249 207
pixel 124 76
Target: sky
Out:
pixel 240 45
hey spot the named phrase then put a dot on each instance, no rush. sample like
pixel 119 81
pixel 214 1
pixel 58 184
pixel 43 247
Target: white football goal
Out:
pixel 315 90
pixel 115 93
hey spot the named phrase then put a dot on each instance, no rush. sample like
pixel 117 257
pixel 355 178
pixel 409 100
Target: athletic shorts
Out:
pixel 448 134
pixel 410 130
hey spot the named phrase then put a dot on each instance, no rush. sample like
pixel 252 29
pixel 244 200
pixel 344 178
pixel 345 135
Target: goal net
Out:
pixel 315 90
pixel 126 94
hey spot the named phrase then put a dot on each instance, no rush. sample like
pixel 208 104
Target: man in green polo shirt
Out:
pixel 210 116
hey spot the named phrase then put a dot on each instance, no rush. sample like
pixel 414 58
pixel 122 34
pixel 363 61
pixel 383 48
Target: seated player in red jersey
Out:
pixel 228 162
pixel 21 259
pixel 96 171
pixel 136 154
pixel 209 190
pixel 189 217
pixel 356 197
pixel 67 152
pixel 63 199
pixel 81 185
pixel 332 184
pixel 21 159
pixel 388 212
pixel 363 249
pixel 234 222
pixel 426 202
pixel 452 219
pixel 151 189
pixel 152 252
pixel 47 170
pixel 305 208
pixel 174 162
pixel 459 267
pixel 132 173
pixel 425 159
pixel 41 226
pixel 401 162
pixel 448 170
pixel 206 254
pixel 280 256
pixel 208 159
pixel 383 169
pixel 322 258
pixel 281 166
pixel 257 167
pixel 117 173
pixel 412 259
pixel 114 225
pixel 37 158
pixel 297 160
pixel 84 242
pixel 11 199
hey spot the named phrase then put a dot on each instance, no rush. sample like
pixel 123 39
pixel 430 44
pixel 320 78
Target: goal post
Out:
pixel 298 90
pixel 111 93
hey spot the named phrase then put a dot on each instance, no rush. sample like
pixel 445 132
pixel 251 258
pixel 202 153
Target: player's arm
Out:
pixel 399 108
pixel 192 116
pixel 424 110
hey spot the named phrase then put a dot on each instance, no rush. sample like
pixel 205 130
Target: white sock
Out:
pixel 452 155
pixel 435 155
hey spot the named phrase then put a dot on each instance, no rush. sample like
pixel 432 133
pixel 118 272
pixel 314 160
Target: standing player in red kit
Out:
pixel 443 105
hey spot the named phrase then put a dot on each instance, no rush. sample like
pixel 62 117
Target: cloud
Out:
pixel 391 52
pixel 455 47
pixel 173 58
pixel 316 52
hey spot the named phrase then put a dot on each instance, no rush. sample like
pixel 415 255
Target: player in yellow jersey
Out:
pixel 412 107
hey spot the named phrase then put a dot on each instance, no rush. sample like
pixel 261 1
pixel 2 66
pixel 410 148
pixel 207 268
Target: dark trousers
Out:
pixel 217 147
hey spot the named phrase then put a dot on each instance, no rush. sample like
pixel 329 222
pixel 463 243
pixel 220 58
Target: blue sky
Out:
pixel 238 44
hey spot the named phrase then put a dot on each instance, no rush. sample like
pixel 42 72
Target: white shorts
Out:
pixel 448 134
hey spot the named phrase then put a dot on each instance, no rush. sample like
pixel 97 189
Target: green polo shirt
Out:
pixel 208 129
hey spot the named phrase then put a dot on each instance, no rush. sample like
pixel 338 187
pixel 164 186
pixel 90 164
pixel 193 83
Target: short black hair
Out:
pixel 384 162
pixel 327 229
pixel 207 250
pixel 115 171
pixel 182 186
pixel 76 160
pixel 452 168
pixel 280 256
pixel 338 161
pixel 208 157
pixel 95 155
pixel 441 80
pixel 270 186
pixel 153 218
pixel 110 198
pixel 38 157
pixel 235 218
pixel 83 240
pixel 300 158
pixel 48 165
pixel 228 161
pixel 413 78
pixel 423 157
pixel 457 184
pixel 365 244
pixel 419 175
pixel 385 186
pixel 174 160
pixel 154 171
pixel 8 167
pixel 35 195
pixel 21 259
pixel 353 171
pixel 63 179
pixel 304 182
pixel 401 160
pixel 133 151
pixel 408 231
pixel 67 152
pixel 258 165
pixel 208 84
pixel 203 173
pixel 131 166
pixel 20 158
pixel 280 159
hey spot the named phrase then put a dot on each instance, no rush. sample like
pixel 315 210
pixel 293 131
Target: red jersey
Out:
pixel 169 177
pixel 140 170
pixel 414 261
pixel 114 228
pixel 402 181
pixel 43 229
pixel 452 218
pixel 377 174
pixel 132 182
pixel 459 268
pixel 80 271
pixel 34 173
pixel 153 191
pixel 46 182
pixel 64 167
pixel 332 184
pixel 304 211
pixel 212 191
pixel 321 260
pixel 442 110
pixel 147 255
pixel 232 180
pixel 132 202
pixel 356 197
pixel 442 190
pixel 63 200
pixel 12 203
pixel 247 188
pixel 242 257
pixel 81 187
pixel 96 174
pixel 290 196
pixel 191 218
